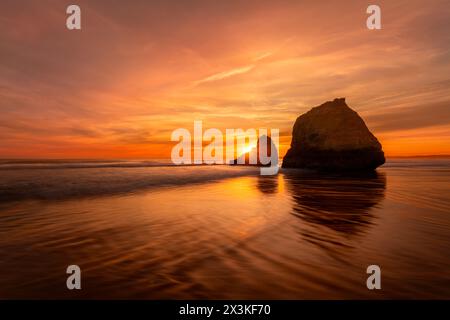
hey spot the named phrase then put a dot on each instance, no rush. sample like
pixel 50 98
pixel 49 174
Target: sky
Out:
pixel 138 70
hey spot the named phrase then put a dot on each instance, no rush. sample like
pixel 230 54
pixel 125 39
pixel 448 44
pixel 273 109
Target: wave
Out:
pixel 107 180
pixel 62 179
pixel 77 164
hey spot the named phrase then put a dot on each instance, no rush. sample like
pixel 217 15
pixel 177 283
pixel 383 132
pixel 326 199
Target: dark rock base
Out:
pixel 332 160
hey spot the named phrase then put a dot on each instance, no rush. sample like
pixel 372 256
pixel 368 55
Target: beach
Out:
pixel 150 230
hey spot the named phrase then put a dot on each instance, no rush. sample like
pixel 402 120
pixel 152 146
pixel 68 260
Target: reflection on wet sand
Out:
pixel 334 208
pixel 267 184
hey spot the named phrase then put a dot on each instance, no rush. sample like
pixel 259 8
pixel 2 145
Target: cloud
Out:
pixel 263 56
pixel 417 116
pixel 226 74
pixel 131 76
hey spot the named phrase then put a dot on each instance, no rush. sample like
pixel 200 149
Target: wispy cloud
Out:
pixel 263 56
pixel 226 74
pixel 120 86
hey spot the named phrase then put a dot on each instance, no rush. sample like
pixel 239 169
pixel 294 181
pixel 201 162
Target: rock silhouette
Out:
pixel 333 137
pixel 244 159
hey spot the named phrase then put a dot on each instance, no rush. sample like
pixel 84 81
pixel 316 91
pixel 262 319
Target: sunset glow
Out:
pixel 121 85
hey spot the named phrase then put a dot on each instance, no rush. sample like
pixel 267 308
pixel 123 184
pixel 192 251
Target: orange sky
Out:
pixel 140 69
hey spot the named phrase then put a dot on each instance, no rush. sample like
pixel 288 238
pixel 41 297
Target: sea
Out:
pixel 152 230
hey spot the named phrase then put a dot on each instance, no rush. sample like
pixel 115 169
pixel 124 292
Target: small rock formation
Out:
pixel 244 159
pixel 333 137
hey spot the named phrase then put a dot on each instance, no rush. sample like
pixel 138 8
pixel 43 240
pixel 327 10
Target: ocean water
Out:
pixel 149 230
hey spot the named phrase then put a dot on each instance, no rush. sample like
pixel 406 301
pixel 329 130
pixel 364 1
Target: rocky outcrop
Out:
pixel 333 137
pixel 244 159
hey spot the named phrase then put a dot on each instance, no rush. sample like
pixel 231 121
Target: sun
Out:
pixel 248 148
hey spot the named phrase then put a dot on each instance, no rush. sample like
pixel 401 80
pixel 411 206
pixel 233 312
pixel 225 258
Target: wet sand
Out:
pixel 225 233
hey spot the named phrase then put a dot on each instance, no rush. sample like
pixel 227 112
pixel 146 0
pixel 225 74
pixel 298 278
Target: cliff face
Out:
pixel 333 137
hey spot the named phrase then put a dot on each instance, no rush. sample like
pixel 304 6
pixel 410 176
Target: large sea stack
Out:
pixel 333 137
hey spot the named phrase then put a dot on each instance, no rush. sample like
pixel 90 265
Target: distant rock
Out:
pixel 244 159
pixel 333 137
